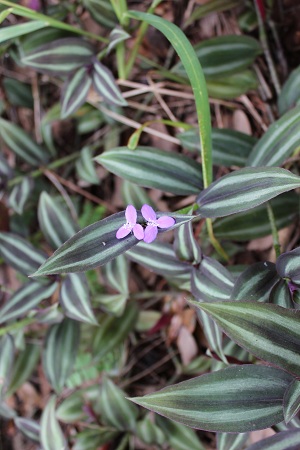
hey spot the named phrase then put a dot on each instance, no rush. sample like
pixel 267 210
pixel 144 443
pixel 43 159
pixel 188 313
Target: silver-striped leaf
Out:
pixel 112 303
pixel 285 440
pixel 290 93
pixel 186 247
pixel 288 265
pixel 279 142
pixel 96 245
pixel 291 401
pixel 116 36
pixel 105 84
pixel 22 144
pixel 116 274
pixel 269 332
pixel 60 57
pixel 75 298
pixel 244 189
pixel 229 441
pixel 102 12
pixel 20 194
pixel 20 254
pixel 232 86
pixel 90 439
pixel 281 295
pixel 179 436
pixel 60 351
pixel 213 334
pixel 74 92
pixel 135 195
pixel 24 365
pixel 51 435
pixel 149 433
pixel 151 167
pixel 7 350
pixel 236 399
pixel 85 166
pixel 29 428
pixel 28 296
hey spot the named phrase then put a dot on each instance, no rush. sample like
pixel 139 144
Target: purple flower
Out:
pixel 130 225
pixel 153 223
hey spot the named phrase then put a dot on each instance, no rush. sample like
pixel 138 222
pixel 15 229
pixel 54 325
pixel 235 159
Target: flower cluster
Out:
pixel 149 233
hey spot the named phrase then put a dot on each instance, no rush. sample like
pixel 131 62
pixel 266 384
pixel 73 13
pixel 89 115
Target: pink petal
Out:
pixel 148 213
pixel 138 231
pixel 122 232
pixel 165 222
pixel 131 214
pixel 150 234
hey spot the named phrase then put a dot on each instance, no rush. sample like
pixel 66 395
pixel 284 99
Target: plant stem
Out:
pixel 276 242
pixel 17 325
pixel 215 243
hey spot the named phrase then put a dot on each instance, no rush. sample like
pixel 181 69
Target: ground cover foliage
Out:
pixel 149 227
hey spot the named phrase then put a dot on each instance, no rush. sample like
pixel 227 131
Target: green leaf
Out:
pixel 280 295
pixel 112 303
pixel 213 334
pixel 255 283
pixel 90 439
pixel 96 245
pixel 229 441
pixel 22 144
pixel 7 350
pixel 23 367
pixel 232 86
pixel 13 31
pixel 60 352
pixel 20 254
pixel 135 195
pixel 288 265
pixel 149 432
pixel 29 428
pixel 60 57
pixel 279 142
pixel 24 299
pixel 116 274
pixel 291 401
pixel 85 166
pixel 211 7
pixel 116 410
pixel 244 189
pixel 236 399
pixel 102 12
pixel 75 299
pixel 71 409
pixel 116 36
pixel 20 194
pixel 18 93
pixel 179 436
pixel 269 332
pixel 150 167
pixel 285 440
pixel 290 93
pixel 105 85
pixel 55 220
pixel 51 434
pixel 74 92
pixel 224 55
pixel 186 247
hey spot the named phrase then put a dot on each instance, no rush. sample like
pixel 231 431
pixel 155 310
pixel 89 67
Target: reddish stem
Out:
pixel 261 8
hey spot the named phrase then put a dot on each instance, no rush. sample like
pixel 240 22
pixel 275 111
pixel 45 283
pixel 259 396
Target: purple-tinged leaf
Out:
pixel 244 189
pixel 281 295
pixel 229 441
pixel 20 194
pixel 75 91
pixel 285 440
pixel 236 399
pixel 51 435
pixel 96 437
pixel 116 36
pixel 6 172
pixel 29 428
pixel 179 436
pixel 288 265
pixel 213 334
pixel 186 246
pixel 103 13
pixel 291 401
pixel 105 85
pixel 116 274
pixel 269 332
pixel 255 283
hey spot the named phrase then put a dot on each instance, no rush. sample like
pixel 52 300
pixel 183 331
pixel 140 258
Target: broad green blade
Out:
pixel 244 189
pixel 151 167
pixel 51 435
pixel 60 352
pixel 236 399
pixel 279 142
pixel 14 31
pixel 288 265
pixel 285 440
pixel 269 332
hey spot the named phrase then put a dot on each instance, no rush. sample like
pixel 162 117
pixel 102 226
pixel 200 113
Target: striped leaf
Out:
pixel 22 144
pixel 90 439
pixel 106 339
pixel 75 298
pixel 60 57
pixel 211 281
pixel 23 367
pixel 6 411
pixel 224 55
pixel 20 194
pixel 280 295
pixel 213 335
pixel 29 428
pixel 24 299
pixel 55 221
pixel 95 245
pixel 116 410
pixel 186 247
pixel 269 332
pixel 255 283
pixel 20 254
pixel 149 433
pixel 236 399
pixel 229 147
pixel 150 167
pixel 102 12
pixel 116 36
pixel 211 7
pixel 290 93
pixel 112 303
pixel 285 440
pixel 60 352
pixel 7 350
pixel 255 223
pixel 232 86
pixel 229 441
pixel 116 274
pixel 244 189
pixel 6 172
pixel 279 142
pixel 51 435
pixel 71 409
pixel 288 265
pixel 105 84
pixel 85 166
pixel 291 401
pixel 135 195
pixel 75 91
pixel 179 436
pixel 14 31
pixel 18 93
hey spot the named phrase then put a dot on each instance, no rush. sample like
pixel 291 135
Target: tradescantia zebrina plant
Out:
pixel 78 328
